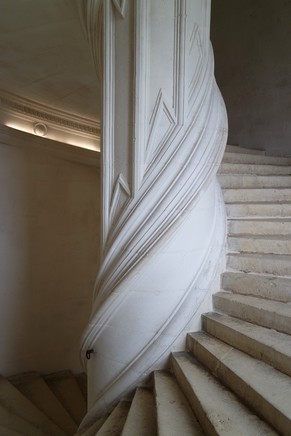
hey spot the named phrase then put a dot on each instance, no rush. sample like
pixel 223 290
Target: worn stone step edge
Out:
pixel 259 244
pixel 39 393
pixel 115 422
pixel 255 159
pixel 68 392
pixel 266 313
pixel 248 181
pixel 174 415
pixel 258 285
pixel 258 210
pixel 275 264
pixel 261 387
pixel 17 424
pixel 231 148
pixel 141 418
pixel 254 169
pixel 273 347
pixel 14 401
pixel 260 195
pixel 218 410
pixel 259 227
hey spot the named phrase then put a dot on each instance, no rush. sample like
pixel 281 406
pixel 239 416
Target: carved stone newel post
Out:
pixel 163 135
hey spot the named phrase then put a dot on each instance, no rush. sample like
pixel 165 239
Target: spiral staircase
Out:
pixel 234 377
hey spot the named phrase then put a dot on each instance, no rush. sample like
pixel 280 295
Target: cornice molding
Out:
pixel 16 138
pixel 61 126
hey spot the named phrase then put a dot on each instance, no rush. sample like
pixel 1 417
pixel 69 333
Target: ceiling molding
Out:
pixel 16 138
pixel 24 114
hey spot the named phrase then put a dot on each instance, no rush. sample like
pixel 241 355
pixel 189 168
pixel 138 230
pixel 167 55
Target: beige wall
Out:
pixel 49 224
pixel 251 41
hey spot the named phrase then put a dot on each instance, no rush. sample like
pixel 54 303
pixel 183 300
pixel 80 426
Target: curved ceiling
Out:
pixel 44 56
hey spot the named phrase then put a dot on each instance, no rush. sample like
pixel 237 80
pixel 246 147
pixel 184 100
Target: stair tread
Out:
pixel 141 418
pixel 174 415
pixel 262 343
pixel 93 429
pixel 260 303
pixel 267 313
pixel 261 285
pixel 264 388
pixel 253 168
pixel 266 263
pixel 67 390
pixel 255 159
pixel 17 403
pixel 219 411
pixel 232 148
pixel 38 392
pixel 115 422
pixel 17 424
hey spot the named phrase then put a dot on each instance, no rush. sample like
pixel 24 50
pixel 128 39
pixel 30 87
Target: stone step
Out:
pixel 266 313
pixel 217 409
pixel 274 264
pixel 66 389
pixel 37 391
pixel 264 389
pixel 237 149
pixel 94 428
pixel 174 414
pixel 274 195
pixel 246 158
pixel 260 244
pixel 141 418
pixel 257 209
pixel 15 424
pixel 115 422
pixel 262 343
pixel 82 382
pixel 236 181
pixel 258 285
pixel 17 404
pixel 267 226
pixel 258 169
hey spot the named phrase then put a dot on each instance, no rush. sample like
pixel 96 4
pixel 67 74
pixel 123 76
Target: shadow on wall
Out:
pixel 49 223
pixel 251 41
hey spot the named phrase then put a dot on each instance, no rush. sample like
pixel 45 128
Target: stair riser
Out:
pixel 279 210
pixel 274 265
pixel 251 346
pixel 254 159
pixel 257 195
pixel 241 388
pixel 260 170
pixel 249 181
pixel 259 228
pixel 250 245
pixel 259 316
pixel 272 288
pixel 237 149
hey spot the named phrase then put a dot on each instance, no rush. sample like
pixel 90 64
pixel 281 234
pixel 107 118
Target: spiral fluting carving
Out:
pixel 163 139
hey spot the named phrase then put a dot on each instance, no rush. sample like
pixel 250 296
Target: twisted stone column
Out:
pixel 163 135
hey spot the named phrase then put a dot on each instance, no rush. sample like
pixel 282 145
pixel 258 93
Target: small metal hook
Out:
pixel 89 352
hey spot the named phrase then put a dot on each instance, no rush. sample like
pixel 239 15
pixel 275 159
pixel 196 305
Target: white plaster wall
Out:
pixel 251 41
pixel 49 224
